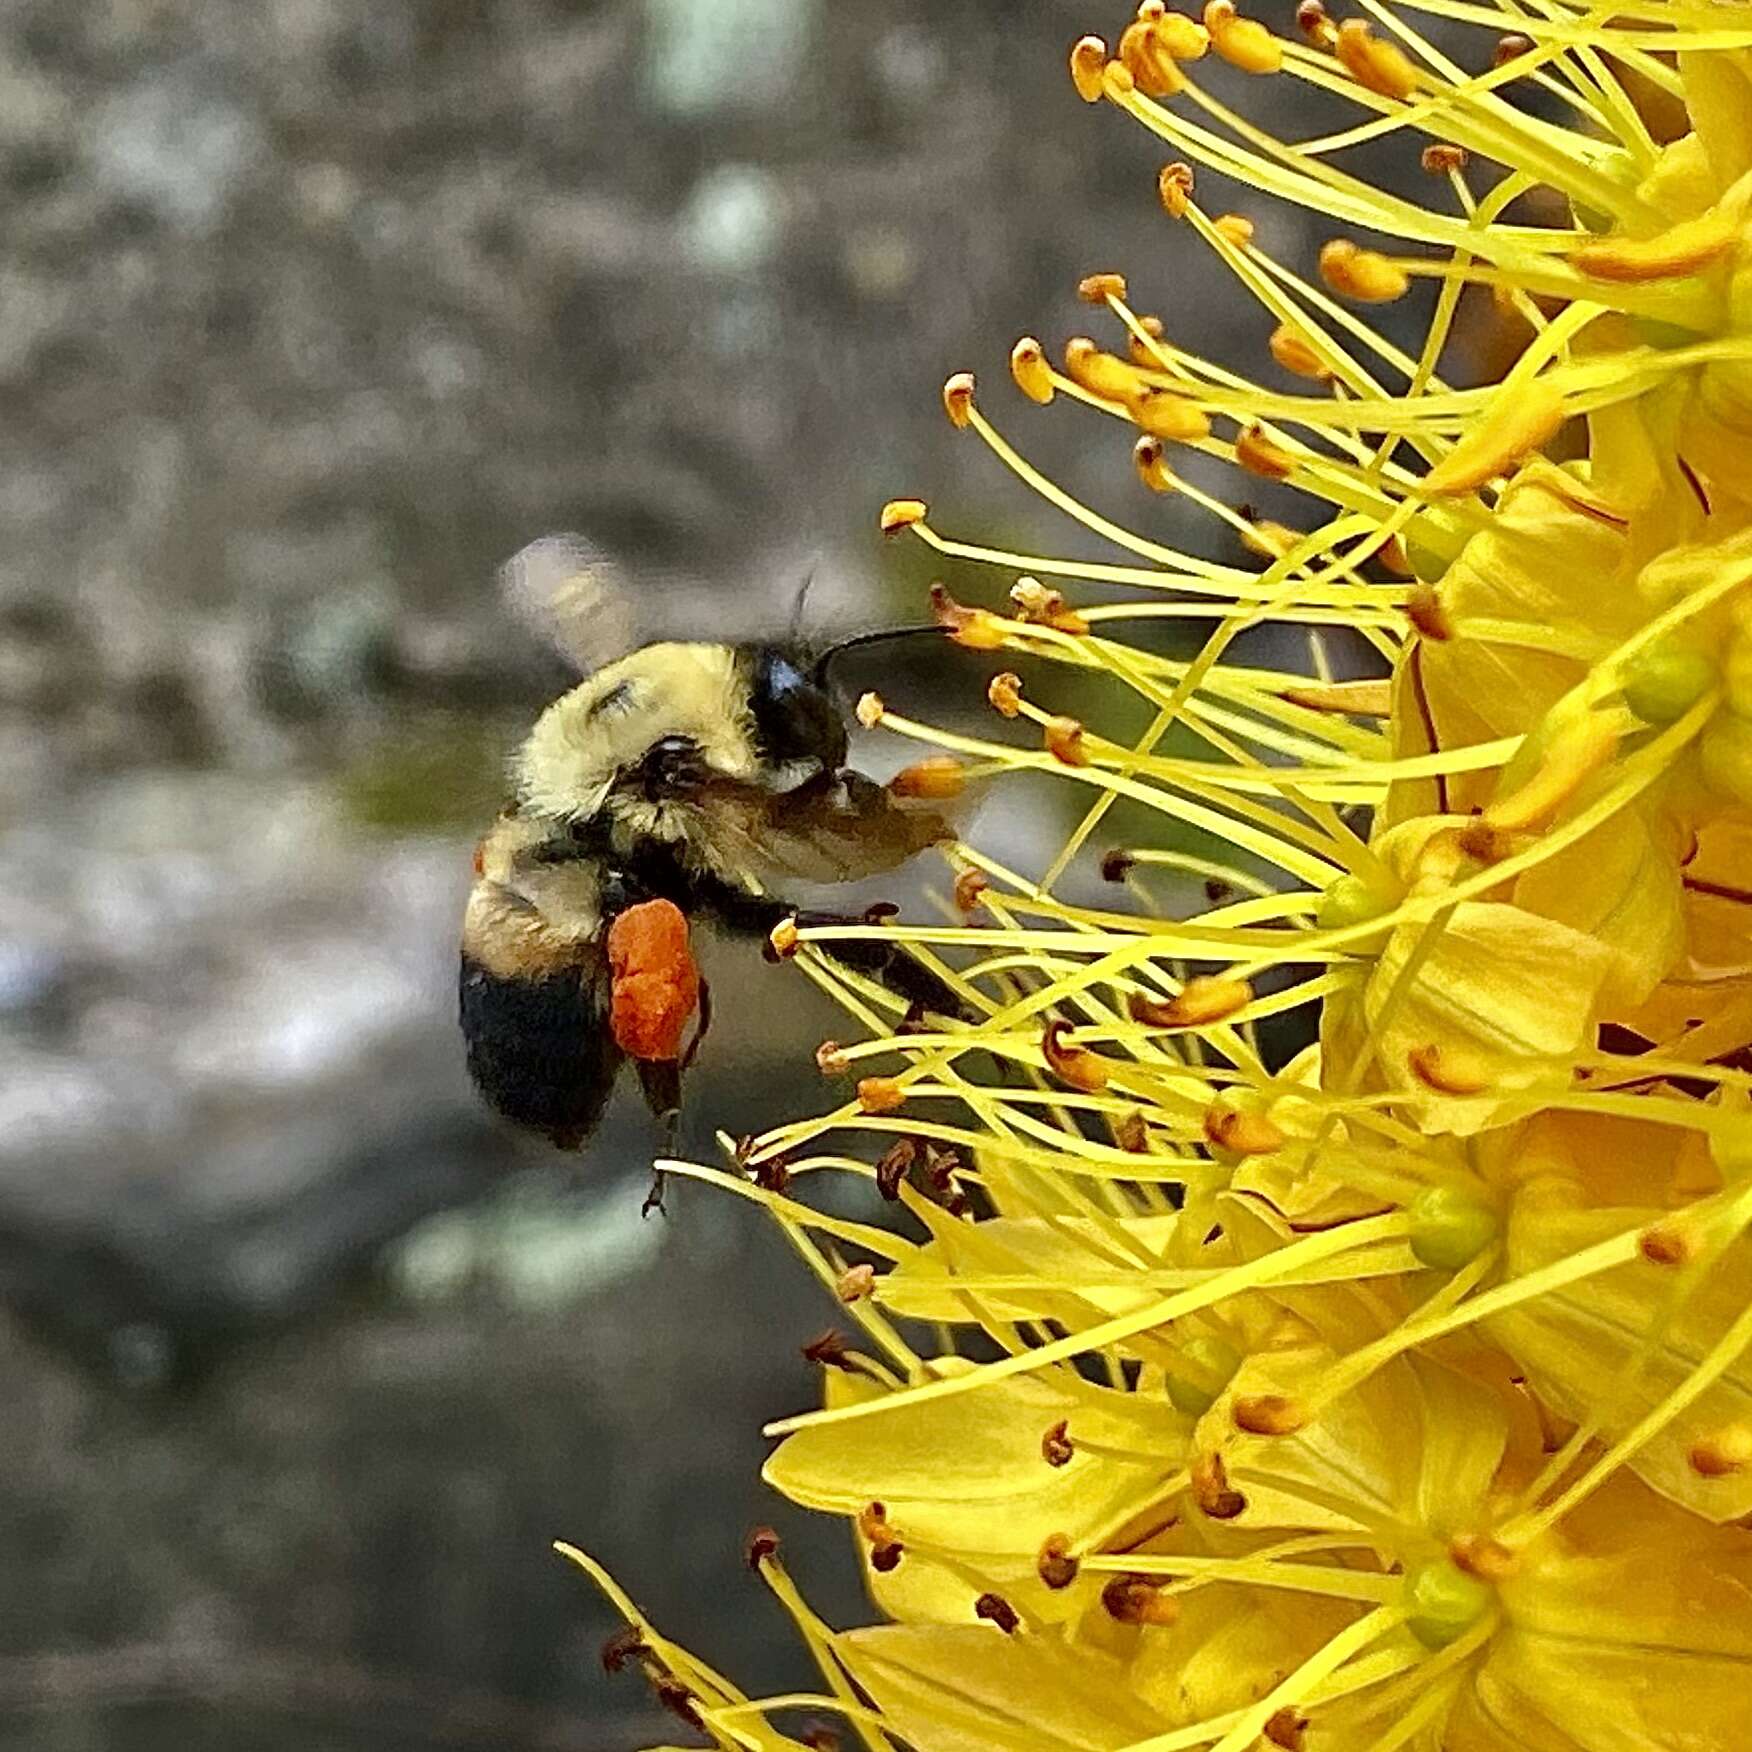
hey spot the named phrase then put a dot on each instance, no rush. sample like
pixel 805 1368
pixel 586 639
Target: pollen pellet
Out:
pixel 1153 471
pixel 1088 58
pixel 1374 63
pixel 1242 42
pixel 899 514
pixel 655 983
pixel 958 398
pixel 1364 275
pixel 1174 188
pixel 1064 741
pixel 1262 455
pixel 1029 369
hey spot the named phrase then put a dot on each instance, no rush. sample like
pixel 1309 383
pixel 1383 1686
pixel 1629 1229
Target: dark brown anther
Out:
pixel 884 1558
pixel 885 1544
pixel 1510 46
pixel 627 1643
pixel 772 1175
pixel 879 912
pixel 743 1149
pixel 995 1609
pixel 941 1167
pixel 1117 864
pixel 1056 1447
pixel 1288 1729
pixel 1057 1567
pixel 1216 890
pixel 1132 1134
pixel 677 1699
pixel 970 885
pixel 1314 23
pixel 819 1737
pixel 976 628
pixel 1210 1489
pixel 892 1166
pixel 1074 1066
pixel 761 1543
pixel 1423 608
pixel 1139 1600
pixel 914 1021
pixel 957 1204
pixel 830 1348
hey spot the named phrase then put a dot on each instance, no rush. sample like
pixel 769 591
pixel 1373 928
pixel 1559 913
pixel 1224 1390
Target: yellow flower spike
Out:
pixel 1518 424
pixel 1029 369
pixel 1375 64
pixel 1242 42
pixel 1675 253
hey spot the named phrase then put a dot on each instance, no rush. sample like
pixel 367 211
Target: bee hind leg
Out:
pixel 660 1080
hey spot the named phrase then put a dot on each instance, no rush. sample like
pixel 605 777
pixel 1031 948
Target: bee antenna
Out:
pixel 882 636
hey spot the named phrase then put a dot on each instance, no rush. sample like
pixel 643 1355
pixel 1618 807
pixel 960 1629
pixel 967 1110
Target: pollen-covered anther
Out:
pixel 1262 455
pixel 970 888
pixel 1242 42
pixel 1671 254
pixel 1240 1131
pixel 1117 83
pixel 1088 58
pixel 1029 369
pixel 1478 1554
pixel 1036 601
pixel 1269 1414
pixel 761 1543
pixel 1516 424
pixel 1056 1447
pixel 1510 46
pixel 1139 1600
pixel 1148 457
pixel 1205 998
pixel 1572 756
pixel 676 1697
pixel 1138 347
pixel 828 1349
pixel 857 1283
pixel 624 1645
pixel 1174 188
pixel 899 514
pixel 892 1166
pixel 870 710
pixel 1132 1134
pixel 1209 1482
pixel 1073 1065
pixel 1163 414
pixel 1064 741
pixel 1296 353
pixel 1234 228
pixel 1374 63
pixel 978 629
pixel 1268 538
pixel 1722 1453
pixel 885 1544
pixel 1425 610
pixel 1287 1729
pixel 937 776
pixel 1146 59
pixel 1667 1243
pixel 1364 275
pixel 958 399
pixel 1449 1070
pixel 1395 559
pixel 1098 288
pixel 995 1609
pixel 830 1059
pixel 1358 699
pixel 1101 373
pixel 880 1094
pixel 782 940
pixel 1182 37
pixel 1315 24
pixel 1004 691
pixel 1442 159
pixel 1054 1562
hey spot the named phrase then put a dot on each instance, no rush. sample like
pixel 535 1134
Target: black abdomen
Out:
pixel 539 1050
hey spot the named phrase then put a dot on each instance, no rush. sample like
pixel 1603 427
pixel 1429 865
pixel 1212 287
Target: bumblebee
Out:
pixel 678 782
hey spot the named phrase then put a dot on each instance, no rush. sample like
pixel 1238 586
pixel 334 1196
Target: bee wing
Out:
pixel 571 593
pixel 833 829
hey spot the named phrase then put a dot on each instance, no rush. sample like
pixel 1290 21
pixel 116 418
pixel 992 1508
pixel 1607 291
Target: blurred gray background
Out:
pixel 310 313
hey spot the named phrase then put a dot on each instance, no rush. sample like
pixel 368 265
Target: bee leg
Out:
pixel 660 1079
pixel 705 1022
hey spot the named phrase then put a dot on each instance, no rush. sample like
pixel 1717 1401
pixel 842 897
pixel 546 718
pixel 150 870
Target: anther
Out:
pixel 995 1609
pixel 675 1697
pixel 958 398
pixel 1153 471
pixel 857 1283
pixel 899 514
pixel 1205 998
pixel 1055 1564
pixel 1117 864
pixel 1036 601
pixel 1209 1480
pixel 892 1166
pixel 1148 62
pixel 1269 1414
pixel 938 776
pixel 782 940
pixel 1240 1131
pixel 819 1737
pixel 885 1543
pixel 1315 24
pixel 1288 1728
pixel 1295 352
pixel 1514 426
pixel 1242 42
pixel 1138 1600
pixel 1261 455
pixel 1088 58
pixel 830 1060
pixel 624 1645
pixel 978 629
pixel 1117 83
pixel 1163 414
pixel 1032 374
pixel 1722 1453
pixel 880 1094
pixel 1374 63
pixel 1572 756
pixel 1665 1243
pixel 1100 373
pixel 1364 275
pixel 1484 1557
pixel 829 1349
pixel 1510 46
pixel 1442 159
pixel 870 710
pixel 1182 37
pixel 1056 1447
pixel 1680 250
pixel 1132 1134
pixel 1424 609
pixel 1004 691
pixel 773 1175
pixel 1449 1070
pixel 1267 537
pixel 1174 188
pixel 1098 288
pixel 1064 741
pixel 1233 228
pixel 761 1543
pixel 1074 1065
pixel 970 887
pixel 1139 350
pixel 1395 559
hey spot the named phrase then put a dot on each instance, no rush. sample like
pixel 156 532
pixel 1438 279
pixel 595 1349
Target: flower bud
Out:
pixel 1443 1602
pixel 1663 681
pixel 1450 1227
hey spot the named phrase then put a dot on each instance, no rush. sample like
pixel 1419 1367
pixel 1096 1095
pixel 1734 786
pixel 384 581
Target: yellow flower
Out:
pixel 1329 1319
